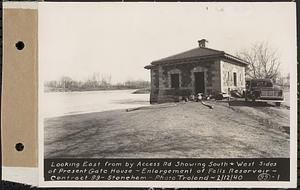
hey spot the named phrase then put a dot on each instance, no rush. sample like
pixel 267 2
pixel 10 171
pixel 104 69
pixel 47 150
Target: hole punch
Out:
pixel 20 45
pixel 19 147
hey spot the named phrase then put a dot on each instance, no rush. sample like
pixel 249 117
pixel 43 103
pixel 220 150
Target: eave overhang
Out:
pixel 235 59
pixel 148 67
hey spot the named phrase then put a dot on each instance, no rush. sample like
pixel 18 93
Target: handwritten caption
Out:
pixel 166 170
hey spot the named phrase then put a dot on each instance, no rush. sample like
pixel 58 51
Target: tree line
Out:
pixel 94 82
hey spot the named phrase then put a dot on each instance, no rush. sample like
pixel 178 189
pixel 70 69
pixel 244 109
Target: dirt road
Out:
pixel 230 130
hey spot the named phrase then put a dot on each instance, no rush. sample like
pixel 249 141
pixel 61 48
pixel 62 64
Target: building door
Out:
pixel 199 82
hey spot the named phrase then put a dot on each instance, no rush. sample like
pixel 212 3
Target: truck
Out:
pixel 263 90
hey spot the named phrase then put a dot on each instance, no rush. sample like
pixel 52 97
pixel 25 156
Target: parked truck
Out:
pixel 263 90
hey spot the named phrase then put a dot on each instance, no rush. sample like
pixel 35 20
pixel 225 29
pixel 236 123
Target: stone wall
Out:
pixel 218 76
pixel 162 92
pixel 168 94
pixel 154 85
pixel 215 74
pixel 227 76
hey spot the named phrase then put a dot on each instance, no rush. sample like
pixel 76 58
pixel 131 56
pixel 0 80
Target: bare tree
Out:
pixel 105 80
pixel 263 61
pixel 66 82
pixel 284 80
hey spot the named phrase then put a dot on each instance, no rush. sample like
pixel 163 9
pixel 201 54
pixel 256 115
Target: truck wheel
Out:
pixel 277 103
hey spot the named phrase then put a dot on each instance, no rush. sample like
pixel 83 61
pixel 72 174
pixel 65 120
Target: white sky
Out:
pixel 79 39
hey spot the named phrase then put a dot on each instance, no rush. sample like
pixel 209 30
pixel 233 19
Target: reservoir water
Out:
pixel 68 103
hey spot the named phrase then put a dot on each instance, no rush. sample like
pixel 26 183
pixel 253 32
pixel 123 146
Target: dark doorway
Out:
pixel 199 82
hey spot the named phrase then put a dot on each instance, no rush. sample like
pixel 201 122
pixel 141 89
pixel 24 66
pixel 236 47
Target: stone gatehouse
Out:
pixel 199 70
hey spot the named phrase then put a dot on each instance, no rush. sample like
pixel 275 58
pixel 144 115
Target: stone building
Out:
pixel 199 70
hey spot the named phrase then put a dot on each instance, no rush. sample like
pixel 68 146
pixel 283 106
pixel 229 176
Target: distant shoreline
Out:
pixel 137 90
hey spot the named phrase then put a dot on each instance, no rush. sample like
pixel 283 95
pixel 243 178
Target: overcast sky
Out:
pixel 119 39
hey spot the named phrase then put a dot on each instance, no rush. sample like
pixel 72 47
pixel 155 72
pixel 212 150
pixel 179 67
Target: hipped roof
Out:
pixel 197 53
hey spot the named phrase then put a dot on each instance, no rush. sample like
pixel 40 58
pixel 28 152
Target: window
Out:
pixel 262 84
pixel 241 79
pixel 174 80
pixel 234 79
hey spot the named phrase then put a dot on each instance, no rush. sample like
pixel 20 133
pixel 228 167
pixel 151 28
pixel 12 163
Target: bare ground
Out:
pixel 186 130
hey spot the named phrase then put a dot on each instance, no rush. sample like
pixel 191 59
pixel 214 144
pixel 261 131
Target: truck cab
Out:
pixel 263 90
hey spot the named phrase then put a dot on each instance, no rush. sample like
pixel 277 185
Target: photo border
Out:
pixel 183 184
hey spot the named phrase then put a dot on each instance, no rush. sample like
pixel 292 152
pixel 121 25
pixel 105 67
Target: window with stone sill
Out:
pixel 234 79
pixel 174 80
